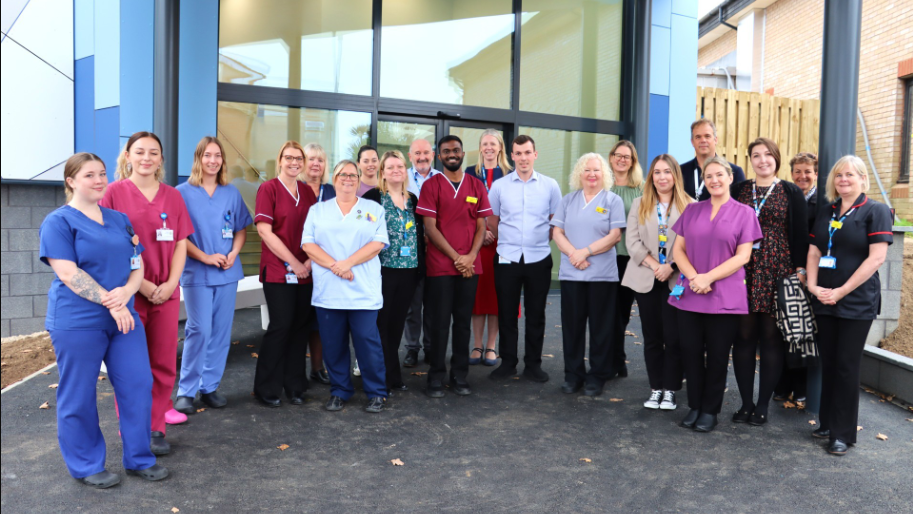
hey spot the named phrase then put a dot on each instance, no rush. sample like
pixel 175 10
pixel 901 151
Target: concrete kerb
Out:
pixel 888 372
pixel 26 379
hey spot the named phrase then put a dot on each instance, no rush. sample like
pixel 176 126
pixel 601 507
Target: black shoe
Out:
pixel 411 359
pixel 335 403
pixel 435 389
pixel 757 420
pixel 822 433
pixel 837 447
pixel 375 405
pixel 535 374
pixel 690 419
pixel 159 445
pixel 321 377
pixel 742 415
pixel 295 398
pixel 214 399
pixel 102 480
pixel 427 359
pixel 184 405
pixel 460 387
pixel 593 389
pixel 781 397
pixel 399 387
pixel 153 474
pixel 503 372
pixel 269 401
pixel 571 387
pixel 705 423
pixel 623 372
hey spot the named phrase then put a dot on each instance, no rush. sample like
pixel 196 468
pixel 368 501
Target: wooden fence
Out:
pixel 741 117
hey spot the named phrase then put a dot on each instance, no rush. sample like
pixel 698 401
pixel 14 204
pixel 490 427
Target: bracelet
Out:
pixel 801 271
pixel 588 249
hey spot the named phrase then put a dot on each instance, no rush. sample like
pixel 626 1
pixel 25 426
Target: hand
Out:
pixel 578 256
pixel 700 284
pixel 147 289
pixel 123 318
pixel 831 296
pixel 582 265
pixel 163 293
pixel 216 259
pixel 489 238
pixel 116 298
pixel 464 264
pixel 348 275
pixel 300 270
pixel 229 260
pixel 307 265
pixel 663 272
pixel 340 268
pixel 469 273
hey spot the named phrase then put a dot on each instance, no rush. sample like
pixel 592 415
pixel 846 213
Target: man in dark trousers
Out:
pixel 703 139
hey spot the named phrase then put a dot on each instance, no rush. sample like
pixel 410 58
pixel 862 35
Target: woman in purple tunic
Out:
pixel 713 245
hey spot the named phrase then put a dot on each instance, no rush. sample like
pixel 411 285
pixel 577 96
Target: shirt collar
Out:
pixel 415 173
pixel 516 176
pixel 811 192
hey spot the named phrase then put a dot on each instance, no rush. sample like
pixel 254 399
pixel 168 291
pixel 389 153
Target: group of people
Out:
pixel 378 249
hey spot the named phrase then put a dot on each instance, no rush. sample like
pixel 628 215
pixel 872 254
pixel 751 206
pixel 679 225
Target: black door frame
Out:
pixel 442 124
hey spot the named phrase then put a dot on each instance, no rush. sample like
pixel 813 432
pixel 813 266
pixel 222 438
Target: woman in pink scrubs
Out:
pixel 159 216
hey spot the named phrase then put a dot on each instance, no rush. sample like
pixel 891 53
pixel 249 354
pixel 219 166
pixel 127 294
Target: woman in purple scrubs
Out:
pixel 713 245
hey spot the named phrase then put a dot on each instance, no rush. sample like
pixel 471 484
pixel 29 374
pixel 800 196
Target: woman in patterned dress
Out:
pixel 782 212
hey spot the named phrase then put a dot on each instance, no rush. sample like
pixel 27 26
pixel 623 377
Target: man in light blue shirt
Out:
pixel 422 156
pixel 523 203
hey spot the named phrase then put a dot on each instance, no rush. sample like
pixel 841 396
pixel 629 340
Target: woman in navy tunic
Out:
pixel 95 255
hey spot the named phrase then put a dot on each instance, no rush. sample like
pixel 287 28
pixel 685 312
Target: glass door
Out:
pixel 470 133
pixel 398 133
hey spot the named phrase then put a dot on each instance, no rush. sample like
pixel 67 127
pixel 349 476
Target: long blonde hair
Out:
pixel 635 173
pixel 608 178
pixel 651 196
pixel 382 178
pixel 125 169
pixel 74 166
pixel 196 171
pixel 502 154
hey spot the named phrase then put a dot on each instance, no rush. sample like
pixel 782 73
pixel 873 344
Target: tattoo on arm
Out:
pixel 86 287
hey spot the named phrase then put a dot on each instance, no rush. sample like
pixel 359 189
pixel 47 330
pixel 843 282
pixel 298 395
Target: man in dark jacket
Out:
pixel 703 139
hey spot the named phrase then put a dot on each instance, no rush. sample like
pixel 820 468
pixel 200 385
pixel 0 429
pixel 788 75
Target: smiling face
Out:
pixel 90 182
pixel 421 155
pixel 292 162
pixel 592 177
pixel 452 156
pixel 490 148
pixel 848 183
pixel 212 160
pixel 663 178
pixel 717 180
pixel 525 156
pixel 394 171
pixel 346 181
pixel 704 141
pixel 763 162
pixel 145 157
pixel 622 159
pixel 316 166
pixel 368 164
pixel 805 176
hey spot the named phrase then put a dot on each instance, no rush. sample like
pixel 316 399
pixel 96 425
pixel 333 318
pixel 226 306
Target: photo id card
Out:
pixel 164 234
pixel 503 260
pixel 135 262
pixel 291 278
pixel 756 245
pixel 405 251
pixel 828 262
pixel 677 291
pixel 227 233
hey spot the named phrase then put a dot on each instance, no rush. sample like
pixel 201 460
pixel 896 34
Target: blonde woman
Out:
pixel 587 229
pixel 210 278
pixel 651 275
pixel 629 184
pixel 492 166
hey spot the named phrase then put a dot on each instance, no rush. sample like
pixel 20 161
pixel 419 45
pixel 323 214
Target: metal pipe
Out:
pixel 868 152
pixel 165 82
pixel 640 97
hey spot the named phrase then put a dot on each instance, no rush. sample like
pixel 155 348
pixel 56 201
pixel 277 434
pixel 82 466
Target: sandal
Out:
pixel 493 361
pixel 475 360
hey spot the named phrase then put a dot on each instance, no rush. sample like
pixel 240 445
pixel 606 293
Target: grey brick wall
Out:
pixel 25 279
pixel 891 274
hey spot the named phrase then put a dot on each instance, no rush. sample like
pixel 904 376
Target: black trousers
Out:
pixel 662 352
pixel 534 279
pixel 840 343
pixel 282 361
pixel 398 287
pixel 418 327
pixel 706 340
pixel 448 303
pixel 623 304
pixel 590 303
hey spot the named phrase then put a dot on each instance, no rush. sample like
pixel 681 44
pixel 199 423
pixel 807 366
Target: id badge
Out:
pixel 677 291
pixel 405 251
pixel 135 263
pixel 164 234
pixel 662 258
pixel 291 278
pixel 828 262
pixel 472 199
pixel 503 260
pixel 227 233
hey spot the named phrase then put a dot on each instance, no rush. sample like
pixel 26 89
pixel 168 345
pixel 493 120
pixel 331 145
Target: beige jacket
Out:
pixel 643 240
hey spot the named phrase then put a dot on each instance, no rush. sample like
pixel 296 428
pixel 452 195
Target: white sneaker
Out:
pixel 356 371
pixel 668 402
pixel 655 396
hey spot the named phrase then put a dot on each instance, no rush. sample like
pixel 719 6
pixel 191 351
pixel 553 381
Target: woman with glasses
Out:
pixel 285 271
pixel 343 238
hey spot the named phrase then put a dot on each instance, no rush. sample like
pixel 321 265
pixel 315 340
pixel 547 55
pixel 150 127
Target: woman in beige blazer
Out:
pixel 651 274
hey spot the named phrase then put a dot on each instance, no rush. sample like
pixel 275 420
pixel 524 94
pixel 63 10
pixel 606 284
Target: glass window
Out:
pixel 252 135
pixel 447 51
pixel 906 159
pixel 570 57
pixel 398 135
pixel 316 45
pixel 558 153
pixel 470 137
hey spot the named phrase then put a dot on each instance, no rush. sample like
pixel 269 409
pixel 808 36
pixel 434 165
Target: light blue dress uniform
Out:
pixel 84 335
pixel 209 291
pixel 344 306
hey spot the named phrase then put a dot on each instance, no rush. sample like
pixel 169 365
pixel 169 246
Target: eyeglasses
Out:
pixel 290 159
pixel 622 157
pixel 348 176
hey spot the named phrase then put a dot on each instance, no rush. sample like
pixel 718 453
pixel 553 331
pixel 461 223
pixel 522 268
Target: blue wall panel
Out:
pixel 685 8
pixel 661 13
pixel 84 104
pixel 107 142
pixel 107 53
pixel 660 43
pixel 199 75
pixel 137 38
pixel 682 96
pixel 83 28
pixel 659 133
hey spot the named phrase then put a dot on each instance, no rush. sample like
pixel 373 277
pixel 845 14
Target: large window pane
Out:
pixel 558 153
pixel 317 45
pixel 398 135
pixel 447 51
pixel 570 57
pixel 252 135
pixel 470 137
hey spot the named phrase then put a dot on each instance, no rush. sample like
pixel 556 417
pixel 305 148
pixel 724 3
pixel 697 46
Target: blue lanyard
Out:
pixel 320 197
pixel 834 227
pixel 663 231
pixel 754 196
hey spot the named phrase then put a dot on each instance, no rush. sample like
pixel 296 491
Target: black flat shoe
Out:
pixel 321 377
pixel 411 359
pixel 153 474
pixel 399 387
pixel 592 389
pixel 295 397
pixel 503 372
pixel 159 445
pixel 460 387
pixel 535 374
pixel 623 372
pixel 571 387
pixel 742 415
pixel 375 405
pixel 690 419
pixel 214 399
pixel 102 480
pixel 335 404
pixel 757 420
pixel 837 447
pixel 822 433
pixel 705 423
pixel 184 405
pixel 269 401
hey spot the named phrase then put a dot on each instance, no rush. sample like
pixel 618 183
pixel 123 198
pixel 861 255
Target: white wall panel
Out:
pixel 45 28
pixel 9 11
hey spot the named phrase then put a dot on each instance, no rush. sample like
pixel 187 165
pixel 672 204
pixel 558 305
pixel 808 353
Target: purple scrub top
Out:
pixel 711 243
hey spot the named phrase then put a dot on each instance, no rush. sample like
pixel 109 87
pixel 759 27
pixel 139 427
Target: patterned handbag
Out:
pixel 796 321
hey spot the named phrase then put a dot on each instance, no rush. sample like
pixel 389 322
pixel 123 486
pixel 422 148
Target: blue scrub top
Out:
pixel 102 251
pixel 208 217
pixel 341 236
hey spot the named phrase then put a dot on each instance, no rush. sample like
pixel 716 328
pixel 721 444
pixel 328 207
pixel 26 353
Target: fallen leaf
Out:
pixel 44 406
pixel 890 398
pixel 789 405
pixel 52 386
pixel 881 437
pixel 858 429
pixel 516 378
pixel 550 356
pixel 46 373
pixel 26 351
pixel 469 474
pixel 2 364
pixel 586 460
pixel 283 447
pixel 419 373
pixel 254 355
pixel 101 378
pixel 615 400
pixel 557 326
pixel 800 405
pixel 397 462
pixel 201 410
pixel 175 510
pixel 910 420
pixel 251 346
pixel 629 333
pixel 627 362
pixel 637 342
pixel 235 342
pixel 812 422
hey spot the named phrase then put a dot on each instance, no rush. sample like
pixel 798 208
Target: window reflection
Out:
pixel 396 135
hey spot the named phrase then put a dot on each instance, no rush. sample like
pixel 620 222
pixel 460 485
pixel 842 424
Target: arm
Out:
pixel 238 243
pixel 702 283
pixel 798 228
pixel 811 267
pixel 634 243
pixel 494 224
pixel 877 254
pixel 464 263
pixel 318 255
pixel 363 255
pixel 437 239
pixel 198 255
pixel 278 248
pixel 84 286
pixel 680 253
pixel 163 292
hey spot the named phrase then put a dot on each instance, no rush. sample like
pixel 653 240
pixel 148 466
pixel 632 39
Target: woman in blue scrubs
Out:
pixel 95 254
pixel 211 275
pixel 343 238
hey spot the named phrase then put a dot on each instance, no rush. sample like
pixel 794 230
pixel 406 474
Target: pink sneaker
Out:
pixel 173 417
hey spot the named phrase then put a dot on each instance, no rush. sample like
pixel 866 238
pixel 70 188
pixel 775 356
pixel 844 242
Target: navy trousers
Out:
pixel 335 327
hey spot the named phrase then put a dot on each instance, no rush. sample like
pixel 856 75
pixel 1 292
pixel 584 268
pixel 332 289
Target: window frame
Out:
pixel 906 133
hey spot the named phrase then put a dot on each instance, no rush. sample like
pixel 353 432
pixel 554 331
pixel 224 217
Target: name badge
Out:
pixel 227 233
pixel 503 260
pixel 409 225
pixel 370 217
pixel 663 238
pixel 135 263
pixel 677 291
pixel 291 278
pixel 601 210
pixel 828 262
pixel 756 245
pixel 164 234
pixel 472 199
pixel 836 224
pixel 405 251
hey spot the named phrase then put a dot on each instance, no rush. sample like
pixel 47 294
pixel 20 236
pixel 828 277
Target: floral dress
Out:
pixel 772 261
pixel 402 231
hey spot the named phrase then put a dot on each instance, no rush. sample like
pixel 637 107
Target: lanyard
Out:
pixel 663 231
pixel 754 196
pixel 835 226
pixel 320 197
pixel 698 189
